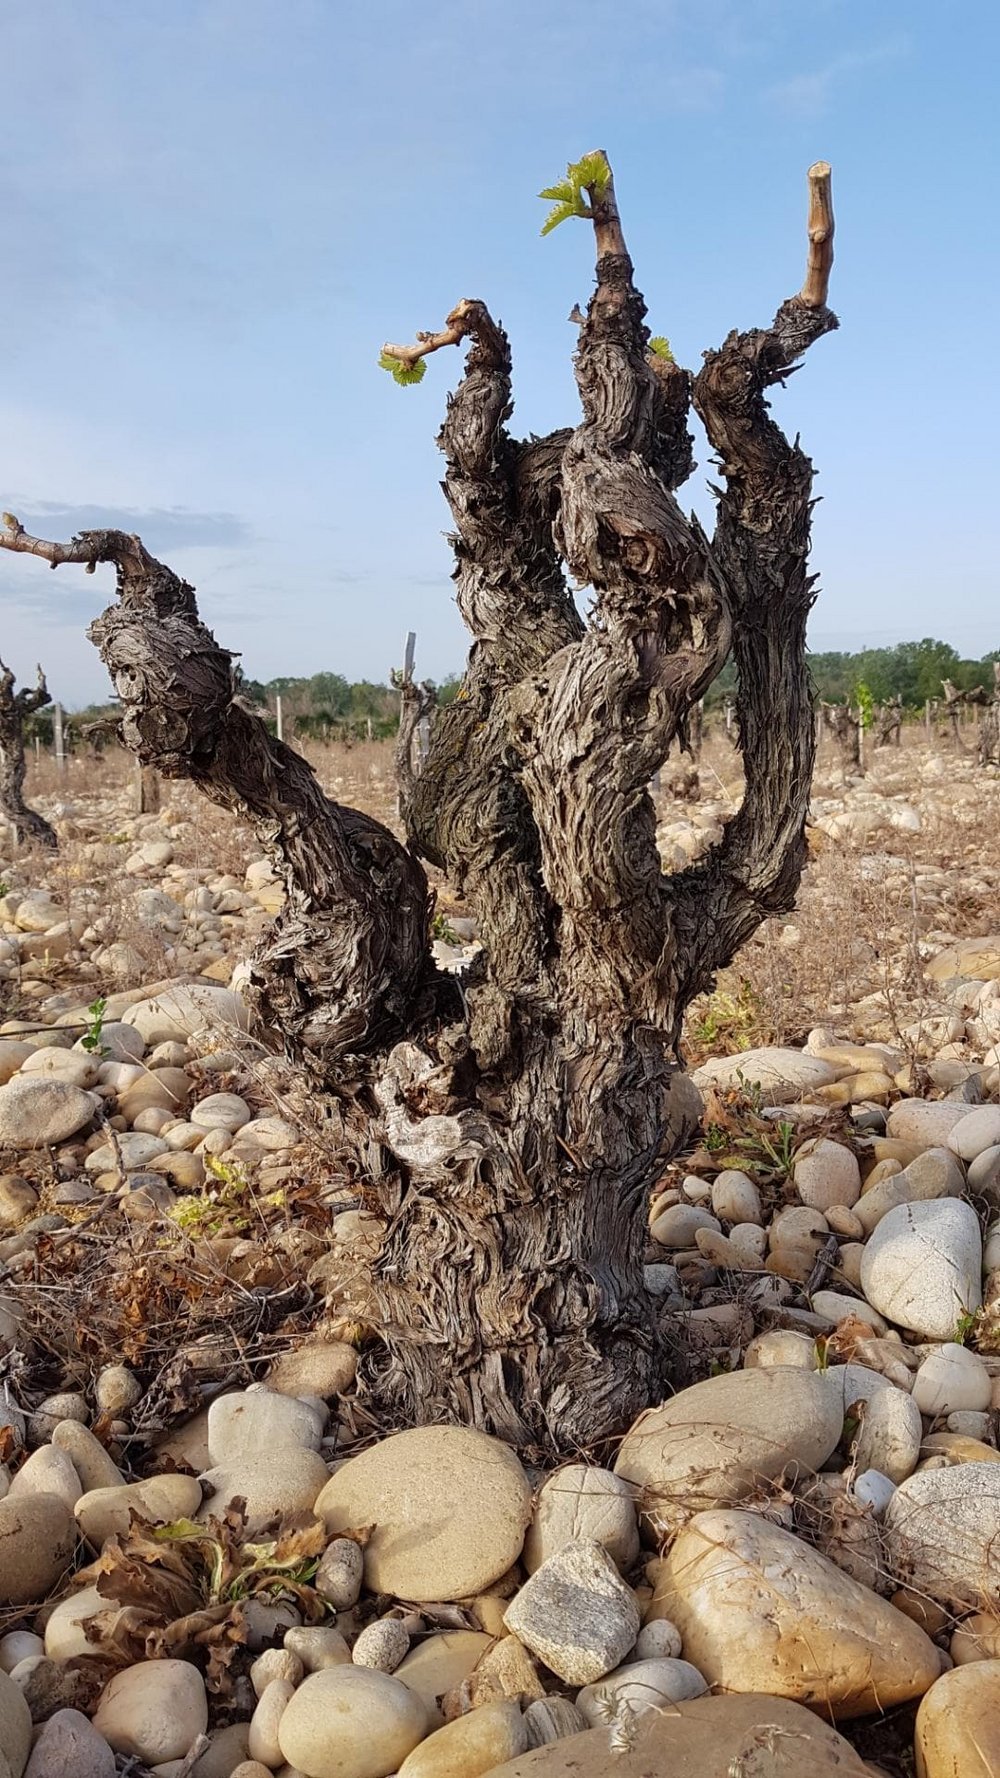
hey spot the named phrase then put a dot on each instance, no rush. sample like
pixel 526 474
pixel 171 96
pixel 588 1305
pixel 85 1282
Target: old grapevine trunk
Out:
pixel 15 708
pixel 506 1131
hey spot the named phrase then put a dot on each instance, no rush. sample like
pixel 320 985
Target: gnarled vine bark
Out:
pixel 507 1132
pixel 15 708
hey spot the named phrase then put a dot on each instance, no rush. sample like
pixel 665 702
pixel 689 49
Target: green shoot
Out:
pixel 590 175
pixel 92 1040
pixel 659 347
pixel 400 372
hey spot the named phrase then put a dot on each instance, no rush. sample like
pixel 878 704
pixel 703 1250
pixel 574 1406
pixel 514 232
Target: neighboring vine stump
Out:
pixel 15 707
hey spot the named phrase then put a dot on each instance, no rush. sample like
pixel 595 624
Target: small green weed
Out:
pixel 93 1039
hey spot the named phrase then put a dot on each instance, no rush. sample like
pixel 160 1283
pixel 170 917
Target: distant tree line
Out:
pixel 910 671
pixel 328 707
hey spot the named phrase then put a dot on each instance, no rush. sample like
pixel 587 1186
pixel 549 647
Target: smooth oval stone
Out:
pixel 38 1538
pixel 957 1732
pixel 154 1710
pixel 449 1505
pixel 759 1610
pixel 475 1743
pixel 68 1746
pixel 351 1722
pixel 106 1512
pixel 714 1442
pixel 642 1685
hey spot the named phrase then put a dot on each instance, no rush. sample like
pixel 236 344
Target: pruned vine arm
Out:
pixel 348 958
pixel 761 544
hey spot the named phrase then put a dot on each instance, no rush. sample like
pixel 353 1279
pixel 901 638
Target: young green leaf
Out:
pixel 659 346
pixel 400 372
pixel 559 213
pixel 591 172
pixel 563 193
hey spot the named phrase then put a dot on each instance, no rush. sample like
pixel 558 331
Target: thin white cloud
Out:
pixel 808 94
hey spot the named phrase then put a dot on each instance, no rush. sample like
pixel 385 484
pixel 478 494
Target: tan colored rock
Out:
pixel 273 1484
pixel 976 958
pixel 653 1684
pixel 351 1722
pixel 64 1635
pixel 105 1512
pixel 471 1745
pixel 716 1441
pixel 506 1670
pixel 47 1471
pixel 762 1737
pixel 441 1664
pixel 89 1458
pixel 165 1087
pixel 264 1724
pixel 758 1609
pixel 15 1726
pixel 37 1541
pixel 958 1724
pixel 154 1710
pixel 977 1638
pixel 450 1508
pixel 580 1501
pixel 319 1367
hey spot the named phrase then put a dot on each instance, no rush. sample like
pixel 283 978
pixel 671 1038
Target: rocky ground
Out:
pixel 790 1567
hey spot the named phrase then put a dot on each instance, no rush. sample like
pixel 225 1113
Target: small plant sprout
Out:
pixel 93 1039
pixel 400 372
pixel 586 178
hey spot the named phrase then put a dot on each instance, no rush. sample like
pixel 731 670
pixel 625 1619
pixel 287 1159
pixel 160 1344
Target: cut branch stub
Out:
pixel 346 966
pixel 761 545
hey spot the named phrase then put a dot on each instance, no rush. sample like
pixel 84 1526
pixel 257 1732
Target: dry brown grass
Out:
pixel 869 910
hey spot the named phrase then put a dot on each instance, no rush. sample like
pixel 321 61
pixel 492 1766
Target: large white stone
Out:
pixel 449 1505
pixel 974 1134
pixel 761 1611
pixel 950 1380
pixel 154 1710
pixel 941 1533
pixel 254 1420
pixel 780 1073
pixel 36 1113
pixel 185 1011
pixel 922 1266
pixel 273 1483
pixel 826 1173
pixel 926 1123
pixel 717 1441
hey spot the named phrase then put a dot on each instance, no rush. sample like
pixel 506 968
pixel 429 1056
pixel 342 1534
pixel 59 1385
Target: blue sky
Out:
pixel 215 211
